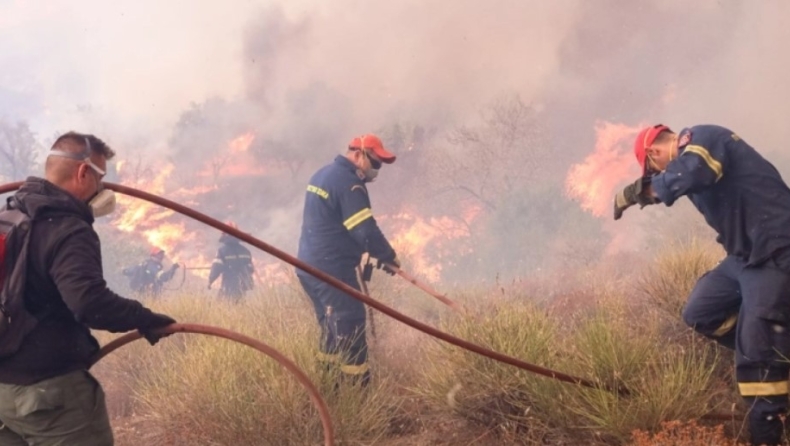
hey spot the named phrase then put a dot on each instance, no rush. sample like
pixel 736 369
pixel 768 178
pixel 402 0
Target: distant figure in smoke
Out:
pixel 744 302
pixel 338 227
pixel 148 277
pixel 234 264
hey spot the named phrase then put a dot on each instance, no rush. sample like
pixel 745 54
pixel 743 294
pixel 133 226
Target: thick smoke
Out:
pixel 176 82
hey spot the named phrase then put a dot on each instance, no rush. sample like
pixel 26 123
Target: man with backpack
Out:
pixel 47 395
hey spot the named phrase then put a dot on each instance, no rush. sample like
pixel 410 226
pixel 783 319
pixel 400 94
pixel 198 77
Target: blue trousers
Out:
pixel 747 308
pixel 342 322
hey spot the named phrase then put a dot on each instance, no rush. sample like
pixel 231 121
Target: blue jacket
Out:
pixel 234 264
pixel 338 224
pixel 740 193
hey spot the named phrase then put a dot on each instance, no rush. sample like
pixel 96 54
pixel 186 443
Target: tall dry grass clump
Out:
pixel 196 390
pixel 675 271
pixel 618 344
pixel 666 286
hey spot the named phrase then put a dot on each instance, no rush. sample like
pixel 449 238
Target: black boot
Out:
pixel 766 428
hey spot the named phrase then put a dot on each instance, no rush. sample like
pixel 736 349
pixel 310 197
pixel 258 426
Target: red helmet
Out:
pixel 372 143
pixel 644 140
pixel 156 251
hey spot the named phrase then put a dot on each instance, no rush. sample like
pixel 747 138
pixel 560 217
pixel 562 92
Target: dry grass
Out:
pixel 195 390
pixel 612 339
pixel 200 391
pixel 616 345
pixel 671 277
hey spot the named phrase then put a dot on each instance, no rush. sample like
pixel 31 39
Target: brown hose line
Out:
pixel 427 289
pixel 356 294
pixel 6 188
pixel 189 212
pixel 315 395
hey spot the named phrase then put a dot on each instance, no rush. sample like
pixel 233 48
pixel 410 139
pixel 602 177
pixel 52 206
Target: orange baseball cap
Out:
pixel 372 143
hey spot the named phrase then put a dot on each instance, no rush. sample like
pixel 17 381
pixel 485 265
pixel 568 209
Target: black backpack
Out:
pixel 15 320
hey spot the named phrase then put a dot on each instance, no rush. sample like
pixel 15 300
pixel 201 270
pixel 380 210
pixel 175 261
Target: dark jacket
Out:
pixel 234 264
pixel 338 224
pixel 740 193
pixel 65 289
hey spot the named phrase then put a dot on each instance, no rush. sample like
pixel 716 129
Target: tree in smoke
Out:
pixel 18 149
pixel 504 164
pixel 201 135
pixel 503 154
pixel 309 129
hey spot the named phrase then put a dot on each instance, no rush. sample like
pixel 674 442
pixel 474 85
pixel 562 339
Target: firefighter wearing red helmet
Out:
pixel 744 302
pixel 149 276
pixel 337 228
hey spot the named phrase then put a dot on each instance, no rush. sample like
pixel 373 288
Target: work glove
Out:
pixel 175 266
pixel 385 265
pixel 157 321
pixel 634 193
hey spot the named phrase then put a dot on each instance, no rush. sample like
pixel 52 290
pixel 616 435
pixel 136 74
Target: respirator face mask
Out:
pixel 373 171
pixel 103 202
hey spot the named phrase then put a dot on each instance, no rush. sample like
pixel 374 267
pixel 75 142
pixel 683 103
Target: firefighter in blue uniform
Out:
pixel 234 264
pixel 148 278
pixel 743 303
pixel 338 227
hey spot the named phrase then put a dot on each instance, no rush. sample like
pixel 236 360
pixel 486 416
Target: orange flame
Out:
pixel 426 244
pixel 594 182
pixel 135 215
pixel 161 228
pixel 241 143
pixel 237 161
pixel 422 242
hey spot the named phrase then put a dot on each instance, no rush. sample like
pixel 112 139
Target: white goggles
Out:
pixel 84 156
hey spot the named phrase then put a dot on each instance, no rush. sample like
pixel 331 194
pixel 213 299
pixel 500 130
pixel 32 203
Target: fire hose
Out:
pixel 442 298
pixel 183 279
pixel 427 329
pixel 184 270
pixel 189 212
pixel 286 363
